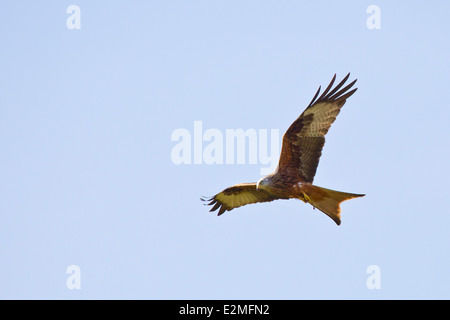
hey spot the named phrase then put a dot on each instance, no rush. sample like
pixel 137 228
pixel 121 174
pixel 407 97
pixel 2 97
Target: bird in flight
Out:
pixel 300 153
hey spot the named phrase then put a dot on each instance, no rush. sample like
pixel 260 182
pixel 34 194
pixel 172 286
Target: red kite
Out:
pixel 300 154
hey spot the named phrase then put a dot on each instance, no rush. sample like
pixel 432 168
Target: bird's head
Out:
pixel 263 182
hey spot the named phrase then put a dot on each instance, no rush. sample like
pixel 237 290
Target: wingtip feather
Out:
pixel 221 210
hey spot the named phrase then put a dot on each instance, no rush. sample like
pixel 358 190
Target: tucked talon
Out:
pixel 307 198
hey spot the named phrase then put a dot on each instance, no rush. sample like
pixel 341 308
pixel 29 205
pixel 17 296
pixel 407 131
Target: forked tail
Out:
pixel 328 201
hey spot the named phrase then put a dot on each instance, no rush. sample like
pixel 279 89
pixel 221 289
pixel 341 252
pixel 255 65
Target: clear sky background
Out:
pixel 87 179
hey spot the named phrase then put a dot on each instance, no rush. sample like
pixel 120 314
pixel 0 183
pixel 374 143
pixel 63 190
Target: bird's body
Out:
pixel 300 154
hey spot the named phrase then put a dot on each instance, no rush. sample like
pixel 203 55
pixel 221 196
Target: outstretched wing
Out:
pixel 237 196
pixel 304 140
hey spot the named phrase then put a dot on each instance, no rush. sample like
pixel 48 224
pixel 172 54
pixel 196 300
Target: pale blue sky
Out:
pixel 86 175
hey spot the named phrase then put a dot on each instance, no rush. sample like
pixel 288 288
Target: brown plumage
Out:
pixel 300 153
